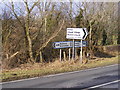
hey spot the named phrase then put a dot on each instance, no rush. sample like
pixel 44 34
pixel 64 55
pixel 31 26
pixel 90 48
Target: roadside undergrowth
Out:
pixel 41 69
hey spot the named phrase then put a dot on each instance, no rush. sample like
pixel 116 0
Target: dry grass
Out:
pixel 39 69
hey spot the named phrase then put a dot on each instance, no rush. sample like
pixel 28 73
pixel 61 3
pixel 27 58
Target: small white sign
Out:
pixel 76 33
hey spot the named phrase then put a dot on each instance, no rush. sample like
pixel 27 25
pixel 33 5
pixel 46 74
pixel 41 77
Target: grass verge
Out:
pixel 38 69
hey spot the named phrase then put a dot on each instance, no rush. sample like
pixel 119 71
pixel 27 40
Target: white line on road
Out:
pixel 57 74
pixel 102 85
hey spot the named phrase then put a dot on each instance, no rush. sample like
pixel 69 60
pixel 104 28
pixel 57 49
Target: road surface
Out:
pixel 102 77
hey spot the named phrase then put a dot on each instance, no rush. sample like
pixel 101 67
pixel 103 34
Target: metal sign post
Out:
pixel 60 55
pixel 73 54
pixel 76 33
pixel 69 53
pixel 81 52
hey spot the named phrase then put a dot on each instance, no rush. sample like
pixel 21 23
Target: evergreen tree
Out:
pixel 104 37
pixel 79 18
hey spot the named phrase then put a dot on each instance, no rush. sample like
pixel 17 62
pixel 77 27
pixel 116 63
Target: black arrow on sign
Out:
pixel 85 33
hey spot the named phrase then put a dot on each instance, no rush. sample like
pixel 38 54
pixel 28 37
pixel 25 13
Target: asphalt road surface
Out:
pixel 102 77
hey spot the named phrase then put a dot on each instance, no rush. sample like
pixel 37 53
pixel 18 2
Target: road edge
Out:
pixel 52 75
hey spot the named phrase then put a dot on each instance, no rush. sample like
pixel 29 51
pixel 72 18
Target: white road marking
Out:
pixel 102 85
pixel 57 74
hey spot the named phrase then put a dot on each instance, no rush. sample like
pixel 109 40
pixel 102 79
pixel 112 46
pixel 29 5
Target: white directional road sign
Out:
pixel 68 44
pixel 76 33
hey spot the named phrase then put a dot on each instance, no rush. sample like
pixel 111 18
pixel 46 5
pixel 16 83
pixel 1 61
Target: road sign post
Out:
pixel 69 53
pixel 76 33
pixel 72 33
pixel 81 52
pixel 68 44
pixel 60 55
pixel 73 54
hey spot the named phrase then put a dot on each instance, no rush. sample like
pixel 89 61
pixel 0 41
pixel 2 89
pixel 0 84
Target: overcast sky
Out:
pixel 63 0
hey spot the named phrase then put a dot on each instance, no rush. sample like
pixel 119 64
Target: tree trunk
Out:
pixel 90 42
pixel 29 39
pixel 41 59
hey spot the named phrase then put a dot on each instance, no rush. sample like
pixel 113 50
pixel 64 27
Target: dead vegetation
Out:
pixel 39 69
pixel 27 36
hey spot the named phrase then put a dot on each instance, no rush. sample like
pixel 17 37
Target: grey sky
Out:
pixel 63 0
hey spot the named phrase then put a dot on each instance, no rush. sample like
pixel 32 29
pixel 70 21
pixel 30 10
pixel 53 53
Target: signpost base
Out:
pixel 81 53
pixel 60 55
pixel 73 51
pixel 69 53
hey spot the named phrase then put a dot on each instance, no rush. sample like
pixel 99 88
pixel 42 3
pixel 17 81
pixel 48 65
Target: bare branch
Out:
pixel 14 55
pixel 27 6
pixel 33 5
pixel 53 36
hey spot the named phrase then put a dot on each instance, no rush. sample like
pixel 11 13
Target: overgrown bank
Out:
pixel 27 36
pixel 38 69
